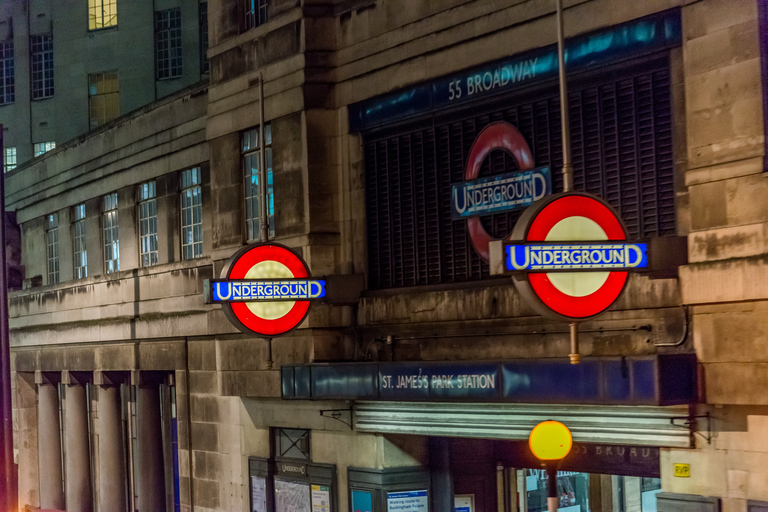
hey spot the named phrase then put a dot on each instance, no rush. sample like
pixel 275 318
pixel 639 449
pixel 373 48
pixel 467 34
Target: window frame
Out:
pixel 193 181
pixel 111 239
pixel 250 149
pixel 170 37
pixel 79 242
pixel 146 211
pixel 53 273
pixel 93 6
pixel 255 13
pixel 102 80
pixel 9 154
pixel 41 68
pixel 7 73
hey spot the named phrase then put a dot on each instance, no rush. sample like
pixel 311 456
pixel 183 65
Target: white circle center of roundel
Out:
pixel 269 270
pixel 577 284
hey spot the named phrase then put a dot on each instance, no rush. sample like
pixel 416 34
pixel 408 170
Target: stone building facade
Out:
pixel 132 392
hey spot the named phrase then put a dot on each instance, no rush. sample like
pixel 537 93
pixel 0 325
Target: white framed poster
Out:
pixel 258 494
pixel 321 498
pixel 464 503
pixel 408 501
pixel 292 496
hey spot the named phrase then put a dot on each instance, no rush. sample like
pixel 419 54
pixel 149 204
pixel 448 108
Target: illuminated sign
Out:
pixel 505 192
pixel 570 256
pixel 496 136
pixel 266 289
pixel 579 256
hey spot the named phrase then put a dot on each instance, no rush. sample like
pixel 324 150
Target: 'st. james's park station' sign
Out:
pixel 266 289
pixel 570 256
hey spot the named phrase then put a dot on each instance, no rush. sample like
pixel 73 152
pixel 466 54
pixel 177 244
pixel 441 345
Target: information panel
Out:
pixel 292 496
pixel 408 501
pixel 258 494
pixel 321 498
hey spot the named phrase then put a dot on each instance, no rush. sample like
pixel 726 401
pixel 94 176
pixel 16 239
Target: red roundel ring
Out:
pixel 498 135
pixel 239 313
pixel 540 223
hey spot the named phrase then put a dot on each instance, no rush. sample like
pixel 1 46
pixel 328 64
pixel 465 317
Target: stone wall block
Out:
pixel 708 205
pixel 736 383
pixel 202 354
pixel 204 409
pixel 726 243
pixel 205 436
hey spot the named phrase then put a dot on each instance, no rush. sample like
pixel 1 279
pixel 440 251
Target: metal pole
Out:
pixel 574 355
pixel 7 479
pixel 264 221
pixel 553 500
pixel 565 123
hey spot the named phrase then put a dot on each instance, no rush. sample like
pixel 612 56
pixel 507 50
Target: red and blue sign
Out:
pixel 478 196
pixel 266 289
pixel 571 257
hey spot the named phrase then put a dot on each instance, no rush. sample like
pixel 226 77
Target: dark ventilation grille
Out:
pixel 622 151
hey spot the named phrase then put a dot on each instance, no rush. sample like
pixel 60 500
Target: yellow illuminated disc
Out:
pixel 269 270
pixel 550 440
pixel 577 284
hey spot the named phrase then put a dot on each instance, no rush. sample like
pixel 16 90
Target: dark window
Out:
pixel 42 66
pixel 204 37
pixel 255 13
pixel 168 43
pixel 622 151
pixel 7 87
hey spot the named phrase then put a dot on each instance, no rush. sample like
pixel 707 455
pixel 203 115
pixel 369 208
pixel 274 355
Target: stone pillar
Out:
pixel 111 462
pixel 150 473
pixel 49 447
pixel 77 464
pixel 440 474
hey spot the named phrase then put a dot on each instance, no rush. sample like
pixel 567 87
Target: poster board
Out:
pixel 362 501
pixel 464 503
pixel 321 498
pixel 258 494
pixel 292 496
pixel 408 501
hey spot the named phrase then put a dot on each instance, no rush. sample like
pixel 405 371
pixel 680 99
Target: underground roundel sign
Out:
pixel 570 256
pixel 266 289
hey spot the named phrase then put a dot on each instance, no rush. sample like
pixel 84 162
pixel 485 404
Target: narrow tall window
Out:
pixel 255 13
pixel 191 215
pixel 103 97
pixel 42 66
pixel 102 14
pixel 78 242
pixel 204 38
pixel 111 239
pixel 44 147
pixel 250 151
pixel 10 159
pixel 168 43
pixel 7 84
pixel 148 224
pixel 52 245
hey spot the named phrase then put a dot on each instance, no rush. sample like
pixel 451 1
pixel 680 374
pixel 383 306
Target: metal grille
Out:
pixel 622 151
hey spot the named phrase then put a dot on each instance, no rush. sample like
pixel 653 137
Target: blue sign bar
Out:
pixel 408 381
pixel 547 257
pixel 267 290
pixel 629 40
pixel 500 193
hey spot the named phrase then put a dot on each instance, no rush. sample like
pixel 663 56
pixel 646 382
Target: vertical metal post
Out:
pixel 574 355
pixel 8 496
pixel 564 120
pixel 553 500
pixel 263 220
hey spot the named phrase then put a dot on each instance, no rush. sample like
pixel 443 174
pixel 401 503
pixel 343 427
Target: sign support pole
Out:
pixel 263 196
pixel 566 136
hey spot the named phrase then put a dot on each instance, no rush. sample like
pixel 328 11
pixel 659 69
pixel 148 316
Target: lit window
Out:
pixel 52 244
pixel 148 224
pixel 103 97
pixel 191 215
pixel 10 159
pixel 7 86
pixel 204 68
pixel 43 147
pixel 102 14
pixel 255 13
pixel 251 152
pixel 168 43
pixel 42 66
pixel 111 239
pixel 78 242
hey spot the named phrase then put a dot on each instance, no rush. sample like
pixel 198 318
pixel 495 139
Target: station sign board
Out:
pixel 266 289
pixel 570 256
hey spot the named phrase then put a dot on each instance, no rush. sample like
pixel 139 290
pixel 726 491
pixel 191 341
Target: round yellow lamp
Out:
pixel 550 440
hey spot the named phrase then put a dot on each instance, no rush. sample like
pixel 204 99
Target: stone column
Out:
pixel 150 473
pixel 77 465
pixel 111 462
pixel 440 474
pixel 49 447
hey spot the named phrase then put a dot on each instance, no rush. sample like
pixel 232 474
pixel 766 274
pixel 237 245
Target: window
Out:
pixel 78 242
pixel 255 13
pixel 111 240
pixel 292 443
pixel 10 159
pixel 168 43
pixel 148 224
pixel 42 66
pixel 191 215
pixel 52 244
pixel 251 152
pixel 7 87
pixel 204 68
pixel 102 14
pixel 103 97
pixel 43 147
